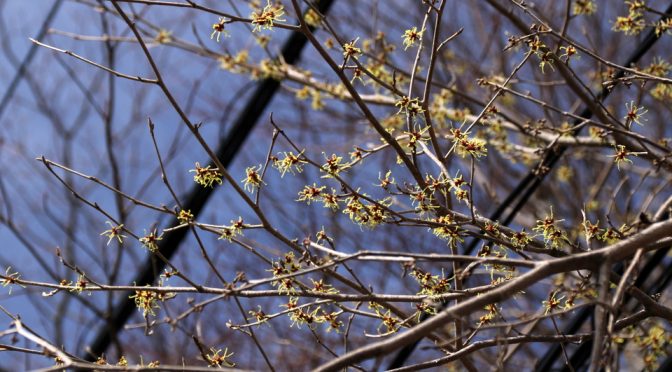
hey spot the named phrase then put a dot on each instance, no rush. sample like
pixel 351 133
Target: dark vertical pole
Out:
pixel 199 196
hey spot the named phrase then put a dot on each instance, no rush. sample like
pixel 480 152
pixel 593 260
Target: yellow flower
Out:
pixel 151 241
pixel 218 29
pixel 411 37
pixel 206 176
pixel 185 216
pixel 114 233
pixel 310 193
pixel 586 7
pixel 252 178
pixel 350 50
pixel 552 304
pixel 266 18
pixel 217 360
